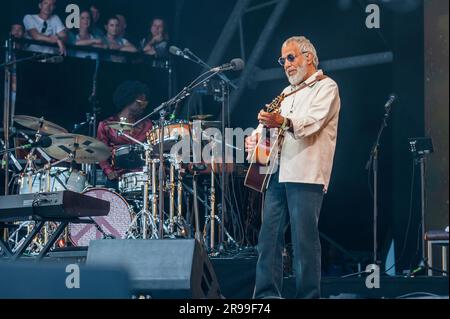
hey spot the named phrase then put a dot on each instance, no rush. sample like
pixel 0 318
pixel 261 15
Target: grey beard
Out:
pixel 299 77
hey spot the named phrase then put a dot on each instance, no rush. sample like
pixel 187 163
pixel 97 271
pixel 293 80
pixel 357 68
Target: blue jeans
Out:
pixel 299 205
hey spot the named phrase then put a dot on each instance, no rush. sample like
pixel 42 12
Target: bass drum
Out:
pixel 115 225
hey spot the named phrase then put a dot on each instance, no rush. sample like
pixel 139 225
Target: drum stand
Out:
pixel 213 217
pixel 180 221
pixel 196 214
pixel 30 167
pixel 148 221
pixel 171 188
pixel 177 224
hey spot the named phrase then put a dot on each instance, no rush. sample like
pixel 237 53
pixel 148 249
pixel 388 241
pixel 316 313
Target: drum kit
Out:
pixel 134 212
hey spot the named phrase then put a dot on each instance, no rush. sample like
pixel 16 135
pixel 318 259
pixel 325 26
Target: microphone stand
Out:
pixel 225 93
pixel 199 61
pixel 12 157
pixel 9 62
pixel 12 149
pixel 92 118
pixel 372 164
pixel 225 107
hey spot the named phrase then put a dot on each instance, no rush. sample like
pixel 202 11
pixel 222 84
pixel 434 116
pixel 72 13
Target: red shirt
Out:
pixel 111 138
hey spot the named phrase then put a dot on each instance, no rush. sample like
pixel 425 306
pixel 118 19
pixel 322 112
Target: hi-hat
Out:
pixel 120 126
pixel 86 150
pixel 41 125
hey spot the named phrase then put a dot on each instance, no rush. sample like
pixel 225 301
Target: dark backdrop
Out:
pixel 338 30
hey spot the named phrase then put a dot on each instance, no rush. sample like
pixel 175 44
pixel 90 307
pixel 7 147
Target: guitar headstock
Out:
pixel 275 105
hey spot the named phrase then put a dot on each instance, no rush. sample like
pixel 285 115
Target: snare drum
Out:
pixel 129 157
pixel 132 184
pixel 174 131
pixel 115 225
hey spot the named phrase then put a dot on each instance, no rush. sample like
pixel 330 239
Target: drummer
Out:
pixel 130 100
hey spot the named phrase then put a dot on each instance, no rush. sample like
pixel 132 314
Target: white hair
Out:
pixel 305 47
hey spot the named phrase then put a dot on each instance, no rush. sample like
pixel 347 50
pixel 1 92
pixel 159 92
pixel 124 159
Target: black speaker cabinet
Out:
pixel 48 280
pixel 162 269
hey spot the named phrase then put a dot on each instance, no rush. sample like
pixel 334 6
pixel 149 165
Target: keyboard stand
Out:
pixel 36 230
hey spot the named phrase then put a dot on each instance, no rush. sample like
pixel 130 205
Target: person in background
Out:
pixel 156 42
pixel 130 100
pixel 85 36
pixel 95 29
pixel 46 27
pixel 17 31
pixel 113 40
pixel 122 25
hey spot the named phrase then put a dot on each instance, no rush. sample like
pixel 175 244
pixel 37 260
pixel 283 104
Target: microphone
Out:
pixel 52 59
pixel 391 100
pixel 177 51
pixel 43 142
pixel 234 65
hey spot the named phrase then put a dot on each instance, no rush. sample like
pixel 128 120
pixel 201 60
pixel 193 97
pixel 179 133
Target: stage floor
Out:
pixel 236 277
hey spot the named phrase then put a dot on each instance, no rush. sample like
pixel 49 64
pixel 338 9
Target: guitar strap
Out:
pixel 302 86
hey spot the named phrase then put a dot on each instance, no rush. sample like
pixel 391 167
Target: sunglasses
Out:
pixel 290 57
pixel 44 27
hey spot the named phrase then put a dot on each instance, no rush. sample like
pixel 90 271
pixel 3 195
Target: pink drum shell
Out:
pixel 116 223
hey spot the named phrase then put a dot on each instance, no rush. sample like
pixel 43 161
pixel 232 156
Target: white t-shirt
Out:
pixel 54 26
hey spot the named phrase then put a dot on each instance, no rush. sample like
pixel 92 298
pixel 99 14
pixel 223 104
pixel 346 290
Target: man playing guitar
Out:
pixel 307 121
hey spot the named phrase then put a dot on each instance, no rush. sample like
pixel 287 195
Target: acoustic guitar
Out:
pixel 264 159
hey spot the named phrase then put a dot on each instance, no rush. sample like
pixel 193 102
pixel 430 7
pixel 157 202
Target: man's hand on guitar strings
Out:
pixel 250 143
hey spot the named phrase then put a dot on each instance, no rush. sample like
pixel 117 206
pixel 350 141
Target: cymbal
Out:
pixel 124 126
pixel 201 117
pixel 87 150
pixel 36 124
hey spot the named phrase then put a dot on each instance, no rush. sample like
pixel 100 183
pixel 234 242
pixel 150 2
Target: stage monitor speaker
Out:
pixel 162 269
pixel 48 280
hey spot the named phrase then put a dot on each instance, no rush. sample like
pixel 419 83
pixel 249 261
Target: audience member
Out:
pixel 84 35
pixel 113 40
pixel 46 27
pixel 122 25
pixel 156 42
pixel 96 30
